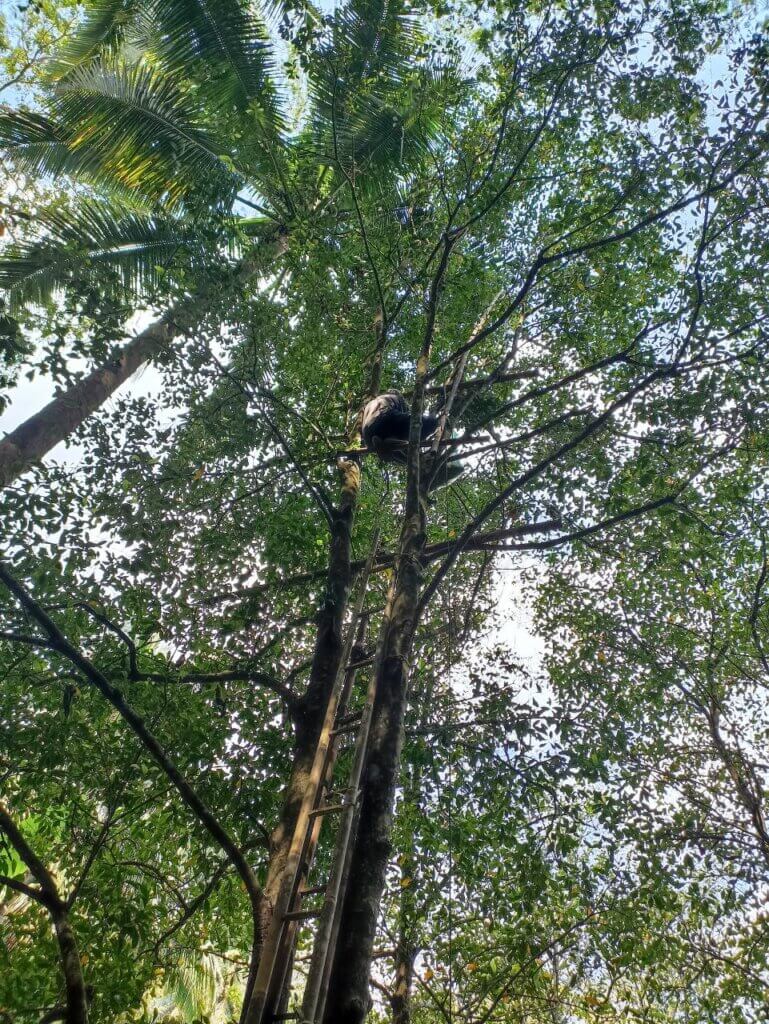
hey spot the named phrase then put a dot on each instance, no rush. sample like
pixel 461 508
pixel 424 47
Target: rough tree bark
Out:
pixel 400 1001
pixel 348 996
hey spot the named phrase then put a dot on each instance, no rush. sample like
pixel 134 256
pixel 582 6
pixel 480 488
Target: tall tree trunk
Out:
pixel 407 946
pixel 36 436
pixel 328 645
pixel 77 994
pixel 325 663
pixel 400 1001
pixel 348 997
pixel 33 439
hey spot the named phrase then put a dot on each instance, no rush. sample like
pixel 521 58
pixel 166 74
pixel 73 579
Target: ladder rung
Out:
pixel 349 718
pixel 313 890
pixel 301 915
pixel 328 809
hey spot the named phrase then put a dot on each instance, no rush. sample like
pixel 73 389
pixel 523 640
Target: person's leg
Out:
pixel 429 425
pixel 446 473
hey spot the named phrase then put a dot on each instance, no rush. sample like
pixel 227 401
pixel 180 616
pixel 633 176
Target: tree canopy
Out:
pixel 545 221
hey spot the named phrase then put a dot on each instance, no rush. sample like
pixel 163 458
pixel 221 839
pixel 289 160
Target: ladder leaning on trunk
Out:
pixel 273 980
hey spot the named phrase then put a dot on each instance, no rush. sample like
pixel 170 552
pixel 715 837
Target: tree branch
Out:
pixel 186 791
pixel 48 895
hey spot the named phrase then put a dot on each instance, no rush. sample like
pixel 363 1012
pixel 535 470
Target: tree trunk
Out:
pixel 348 998
pixel 77 996
pixel 33 439
pixel 308 716
pixel 328 647
pixel 400 1001
pixel 407 946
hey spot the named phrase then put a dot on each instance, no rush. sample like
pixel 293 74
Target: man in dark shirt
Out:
pixel 385 431
pixel 385 428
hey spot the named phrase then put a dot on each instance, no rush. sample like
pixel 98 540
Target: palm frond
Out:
pixel 133 245
pixel 38 145
pixel 223 44
pixel 401 132
pixel 370 49
pixel 104 28
pixel 377 37
pixel 146 129
pixel 377 98
pixel 191 984
pixel 230 44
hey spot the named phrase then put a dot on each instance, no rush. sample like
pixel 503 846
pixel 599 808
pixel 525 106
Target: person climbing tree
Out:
pixel 267 745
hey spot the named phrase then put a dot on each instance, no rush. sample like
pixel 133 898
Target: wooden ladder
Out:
pixel 273 980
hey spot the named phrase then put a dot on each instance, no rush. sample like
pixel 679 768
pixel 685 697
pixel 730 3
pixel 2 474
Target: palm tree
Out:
pixel 169 117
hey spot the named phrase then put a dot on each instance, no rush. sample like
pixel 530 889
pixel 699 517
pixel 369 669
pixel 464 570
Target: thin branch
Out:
pixel 26 890
pixel 193 906
pixel 596 424
pixel 91 858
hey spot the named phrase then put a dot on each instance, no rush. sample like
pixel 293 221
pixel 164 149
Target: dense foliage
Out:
pixel 545 218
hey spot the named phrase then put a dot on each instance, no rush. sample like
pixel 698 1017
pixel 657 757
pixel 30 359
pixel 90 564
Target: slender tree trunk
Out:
pixel 348 1000
pixel 407 946
pixel 348 997
pixel 32 440
pixel 77 995
pixel 76 1010
pixel 400 1001
pixel 328 648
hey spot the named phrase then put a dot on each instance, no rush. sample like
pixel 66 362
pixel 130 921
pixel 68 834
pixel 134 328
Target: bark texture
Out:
pixel 400 1001
pixel 348 998
pixel 31 441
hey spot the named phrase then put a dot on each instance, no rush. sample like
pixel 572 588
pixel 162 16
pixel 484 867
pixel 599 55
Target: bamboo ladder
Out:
pixel 273 979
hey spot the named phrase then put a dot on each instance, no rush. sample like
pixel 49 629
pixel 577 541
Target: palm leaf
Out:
pixel 374 36
pixel 38 145
pixel 222 44
pixel 191 984
pixel 230 44
pixel 35 142
pixel 373 102
pixel 146 129
pixel 132 244
pixel 104 28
